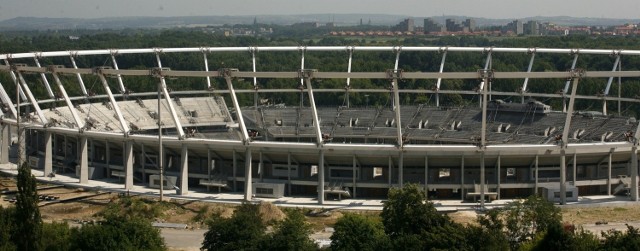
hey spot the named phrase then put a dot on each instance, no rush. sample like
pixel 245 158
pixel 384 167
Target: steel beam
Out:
pixel 80 81
pixel 6 100
pixel 439 82
pixel 314 110
pixel 236 105
pixel 526 80
pixel 15 79
pixel 79 122
pixel 44 79
pixel 396 101
pixel 116 108
pixel 123 90
pixel 32 99
pixel 167 97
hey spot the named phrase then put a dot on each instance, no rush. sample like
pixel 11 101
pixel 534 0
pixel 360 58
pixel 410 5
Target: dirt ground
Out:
pixel 75 205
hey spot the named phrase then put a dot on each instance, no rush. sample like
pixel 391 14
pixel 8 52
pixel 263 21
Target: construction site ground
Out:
pixel 77 206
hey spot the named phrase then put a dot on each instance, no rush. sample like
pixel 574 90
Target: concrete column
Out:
pixel 482 181
pixel 355 166
pixel 48 153
pixel 634 173
pixel 400 169
pixel 143 159
pixel 128 165
pixel 426 176
pixel 321 178
pixel 499 175
pixel 390 165
pixel 248 190
pixel 84 160
pixel 261 168
pixel 608 175
pixel 535 189
pixel 209 168
pixel 563 178
pixel 184 171
pixel 107 157
pixel 289 173
pixel 462 178
pixel 575 167
pixel 6 144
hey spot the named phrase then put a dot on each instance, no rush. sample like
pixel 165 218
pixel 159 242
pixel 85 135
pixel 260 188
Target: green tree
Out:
pixel 409 220
pixel 358 232
pixel 243 231
pixel 117 233
pixel 290 234
pixel 55 236
pixel 619 240
pixel 7 227
pixel 521 221
pixel 28 229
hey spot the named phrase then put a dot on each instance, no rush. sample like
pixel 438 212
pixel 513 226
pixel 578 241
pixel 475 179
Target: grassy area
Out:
pixel 589 215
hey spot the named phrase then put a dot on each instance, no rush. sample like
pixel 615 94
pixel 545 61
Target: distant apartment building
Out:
pixel 405 25
pixel 532 28
pixel 454 26
pixel 466 26
pixel 431 26
pixel 516 28
pixel 470 24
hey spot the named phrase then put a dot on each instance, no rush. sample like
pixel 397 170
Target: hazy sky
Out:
pixel 419 8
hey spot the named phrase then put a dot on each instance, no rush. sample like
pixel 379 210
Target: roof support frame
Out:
pixel 167 97
pixel 72 56
pixel 65 96
pixel 114 104
pixel 32 99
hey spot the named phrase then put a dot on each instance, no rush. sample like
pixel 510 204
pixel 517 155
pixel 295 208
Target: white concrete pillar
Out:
pixel 535 189
pixel 426 176
pixel 248 189
pixel 128 165
pixel 289 174
pixel 6 144
pixel 401 169
pixel 321 178
pixel 354 178
pixel 482 181
pixel 609 176
pixel 84 160
pixel 563 178
pixel 634 173
pixel 499 175
pixel 575 168
pixel 462 178
pixel 184 171
pixel 48 154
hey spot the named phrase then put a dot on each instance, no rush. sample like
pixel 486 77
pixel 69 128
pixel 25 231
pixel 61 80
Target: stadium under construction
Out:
pixel 501 144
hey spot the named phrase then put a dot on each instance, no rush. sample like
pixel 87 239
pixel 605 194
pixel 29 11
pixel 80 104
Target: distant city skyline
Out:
pixel 499 9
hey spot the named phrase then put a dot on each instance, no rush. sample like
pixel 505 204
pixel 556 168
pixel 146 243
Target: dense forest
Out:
pixel 331 61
